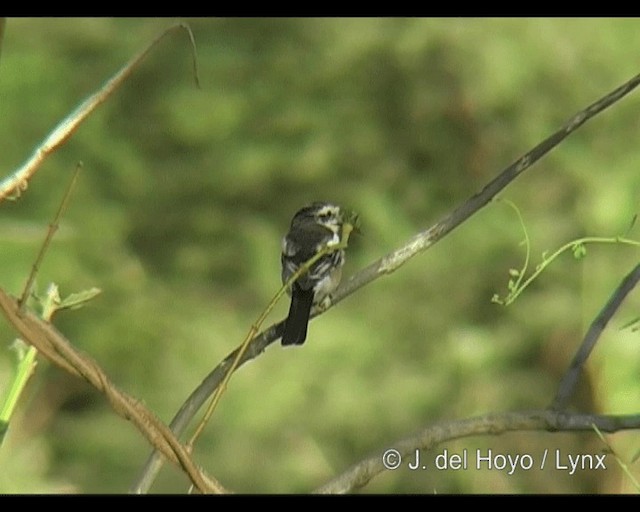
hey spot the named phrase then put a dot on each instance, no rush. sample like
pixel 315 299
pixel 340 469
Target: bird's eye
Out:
pixel 326 215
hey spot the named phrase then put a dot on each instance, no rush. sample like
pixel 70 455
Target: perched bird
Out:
pixel 313 228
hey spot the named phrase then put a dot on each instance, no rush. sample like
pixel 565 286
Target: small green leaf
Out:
pixel 77 300
pixel 513 272
pixel 579 251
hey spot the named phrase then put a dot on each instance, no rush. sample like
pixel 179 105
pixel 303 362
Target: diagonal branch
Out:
pixel 425 239
pixel 16 182
pixel 492 424
pixel 570 378
pixel 385 265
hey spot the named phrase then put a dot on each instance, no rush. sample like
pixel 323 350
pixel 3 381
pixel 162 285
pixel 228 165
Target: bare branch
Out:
pixel 53 227
pixel 385 265
pixel 570 378
pixel 492 424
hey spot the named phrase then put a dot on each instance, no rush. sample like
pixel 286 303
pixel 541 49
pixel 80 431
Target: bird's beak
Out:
pixel 352 222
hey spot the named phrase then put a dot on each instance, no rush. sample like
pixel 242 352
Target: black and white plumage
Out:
pixel 313 228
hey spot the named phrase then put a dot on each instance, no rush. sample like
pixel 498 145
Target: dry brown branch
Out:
pixel 55 347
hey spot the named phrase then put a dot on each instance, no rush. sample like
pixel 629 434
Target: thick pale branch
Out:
pixel 492 424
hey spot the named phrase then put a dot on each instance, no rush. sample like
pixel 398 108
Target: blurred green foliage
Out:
pixel 186 192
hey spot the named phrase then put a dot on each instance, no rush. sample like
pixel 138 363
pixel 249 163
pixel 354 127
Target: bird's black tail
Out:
pixel 295 329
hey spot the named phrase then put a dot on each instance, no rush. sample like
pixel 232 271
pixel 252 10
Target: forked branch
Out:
pixel 491 424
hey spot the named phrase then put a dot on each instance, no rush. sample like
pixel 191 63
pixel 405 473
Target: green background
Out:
pixel 186 192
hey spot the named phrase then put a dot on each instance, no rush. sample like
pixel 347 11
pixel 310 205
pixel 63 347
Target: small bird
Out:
pixel 313 228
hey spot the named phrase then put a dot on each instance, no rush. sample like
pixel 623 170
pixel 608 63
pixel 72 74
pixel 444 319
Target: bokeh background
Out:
pixel 186 192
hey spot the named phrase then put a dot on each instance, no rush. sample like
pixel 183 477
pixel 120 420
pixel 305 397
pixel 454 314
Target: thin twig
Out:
pixel 385 265
pixel 27 363
pixel 623 465
pixel 570 378
pixel 53 227
pixel 520 285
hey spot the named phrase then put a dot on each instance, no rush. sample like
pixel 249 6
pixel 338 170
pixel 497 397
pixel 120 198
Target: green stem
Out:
pixel 26 365
pixel 25 369
pixel 548 260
